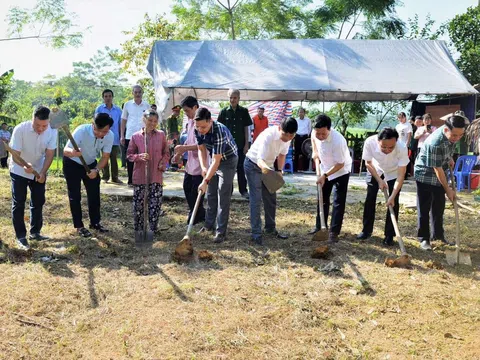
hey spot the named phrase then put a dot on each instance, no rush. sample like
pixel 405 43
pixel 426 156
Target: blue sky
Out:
pixel 108 18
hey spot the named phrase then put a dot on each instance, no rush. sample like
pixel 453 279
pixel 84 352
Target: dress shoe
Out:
pixel 388 241
pixel 219 238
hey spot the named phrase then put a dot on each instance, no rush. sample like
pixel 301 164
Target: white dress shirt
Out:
pixel 385 164
pixel 331 151
pixel 32 147
pixel 90 146
pixel 268 146
pixel 304 126
pixel 133 113
pixel 403 131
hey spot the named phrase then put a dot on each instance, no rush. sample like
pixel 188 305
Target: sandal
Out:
pixel 83 232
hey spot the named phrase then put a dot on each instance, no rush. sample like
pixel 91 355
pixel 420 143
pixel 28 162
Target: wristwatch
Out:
pixel 97 170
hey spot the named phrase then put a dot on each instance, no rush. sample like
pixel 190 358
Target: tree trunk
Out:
pixel 230 11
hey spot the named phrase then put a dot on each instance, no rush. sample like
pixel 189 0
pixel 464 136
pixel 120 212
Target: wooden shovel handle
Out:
pixel 194 212
pixel 18 159
pixel 75 146
pixel 395 224
pixel 320 198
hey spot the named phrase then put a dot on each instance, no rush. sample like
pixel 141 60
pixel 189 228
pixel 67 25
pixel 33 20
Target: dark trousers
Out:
pixel 242 180
pixel 112 162
pixel 124 155
pixel 129 164
pixel 3 162
pixel 297 151
pixel 412 157
pixel 37 200
pixel 74 175
pixel 370 207
pixel 430 209
pixel 339 187
pixel 190 188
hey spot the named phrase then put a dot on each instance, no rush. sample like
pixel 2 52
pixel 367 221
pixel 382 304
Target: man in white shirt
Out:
pixel 91 140
pixel 303 133
pixel 132 121
pixel 330 147
pixel 272 144
pixel 386 159
pixel 35 141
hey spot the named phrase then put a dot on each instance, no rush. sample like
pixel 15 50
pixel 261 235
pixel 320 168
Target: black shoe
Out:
pixel 38 237
pixel 363 236
pixel 219 238
pixel 313 231
pixel 83 232
pixel 258 240
pixel 332 238
pixel 388 241
pixel 99 228
pixel 245 196
pixel 22 243
pixel 446 242
pixel 276 234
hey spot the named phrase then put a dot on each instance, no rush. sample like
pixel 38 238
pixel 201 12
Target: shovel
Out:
pixel 59 120
pixel 145 235
pixel 403 260
pixel 184 249
pixel 322 233
pixel 455 256
pixel 18 159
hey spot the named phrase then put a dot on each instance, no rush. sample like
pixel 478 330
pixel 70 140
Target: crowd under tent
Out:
pixel 304 70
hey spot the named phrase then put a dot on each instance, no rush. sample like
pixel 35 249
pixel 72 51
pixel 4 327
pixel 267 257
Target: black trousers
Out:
pixel 242 180
pixel 297 151
pixel 20 185
pixel 4 162
pixel 430 209
pixel 370 207
pixel 339 187
pixel 190 188
pixel 113 163
pixel 74 175
pixel 129 164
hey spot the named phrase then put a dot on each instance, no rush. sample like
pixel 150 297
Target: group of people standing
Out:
pixel 217 150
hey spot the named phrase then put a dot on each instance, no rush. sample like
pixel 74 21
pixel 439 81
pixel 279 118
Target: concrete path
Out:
pixel 298 185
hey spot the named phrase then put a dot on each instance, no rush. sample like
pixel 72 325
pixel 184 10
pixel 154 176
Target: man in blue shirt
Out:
pixel 91 139
pixel 215 138
pixel 116 114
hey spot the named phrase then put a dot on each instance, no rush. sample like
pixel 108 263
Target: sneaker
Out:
pixel 38 237
pixel 313 231
pixel 219 238
pixel 332 238
pixel 22 243
pixel 83 232
pixel 104 181
pixel 99 228
pixel 276 234
pixel 388 241
pixel 425 245
pixel 363 236
pixel 258 240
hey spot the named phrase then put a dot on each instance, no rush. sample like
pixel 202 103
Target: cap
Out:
pixel 177 107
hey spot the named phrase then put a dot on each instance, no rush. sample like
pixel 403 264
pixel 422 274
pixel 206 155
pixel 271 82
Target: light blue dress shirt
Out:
pixel 89 145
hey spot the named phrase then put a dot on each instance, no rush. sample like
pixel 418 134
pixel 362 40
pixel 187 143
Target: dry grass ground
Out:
pixel 101 298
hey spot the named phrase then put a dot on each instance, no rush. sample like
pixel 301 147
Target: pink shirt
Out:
pixel 193 164
pixel 422 130
pixel 159 155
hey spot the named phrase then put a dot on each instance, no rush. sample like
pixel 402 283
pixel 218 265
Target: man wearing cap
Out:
pixel 237 119
pixel 433 161
pixel 132 121
pixel 172 122
pixel 260 122
pixel 35 141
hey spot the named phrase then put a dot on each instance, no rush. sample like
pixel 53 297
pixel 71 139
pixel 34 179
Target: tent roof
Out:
pixel 310 69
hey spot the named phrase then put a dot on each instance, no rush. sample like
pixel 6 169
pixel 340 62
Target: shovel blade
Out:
pixel 139 235
pixel 320 235
pixel 149 236
pixel 463 258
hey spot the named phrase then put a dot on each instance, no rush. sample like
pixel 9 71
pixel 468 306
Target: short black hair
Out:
pixel 456 121
pixel 412 118
pixel 107 91
pixel 289 125
pixel 153 105
pixel 402 114
pixel 189 101
pixel 4 123
pixel 202 114
pixel 418 117
pixel 388 133
pixel 102 120
pixel 322 121
pixel 41 112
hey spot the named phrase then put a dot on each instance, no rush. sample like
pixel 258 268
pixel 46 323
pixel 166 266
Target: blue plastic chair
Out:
pixel 288 167
pixel 463 169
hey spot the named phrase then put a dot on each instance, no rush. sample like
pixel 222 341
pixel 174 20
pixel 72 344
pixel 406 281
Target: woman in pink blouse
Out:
pixel 156 160
pixel 423 132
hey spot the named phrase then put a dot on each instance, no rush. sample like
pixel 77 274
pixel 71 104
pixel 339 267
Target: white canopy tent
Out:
pixel 310 69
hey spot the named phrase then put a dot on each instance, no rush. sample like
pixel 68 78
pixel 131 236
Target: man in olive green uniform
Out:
pixel 172 123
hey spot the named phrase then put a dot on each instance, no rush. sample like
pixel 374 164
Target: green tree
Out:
pixel 345 114
pixel 465 36
pixel 48 21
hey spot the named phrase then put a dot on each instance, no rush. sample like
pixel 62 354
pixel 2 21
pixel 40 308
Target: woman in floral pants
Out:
pixel 156 158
